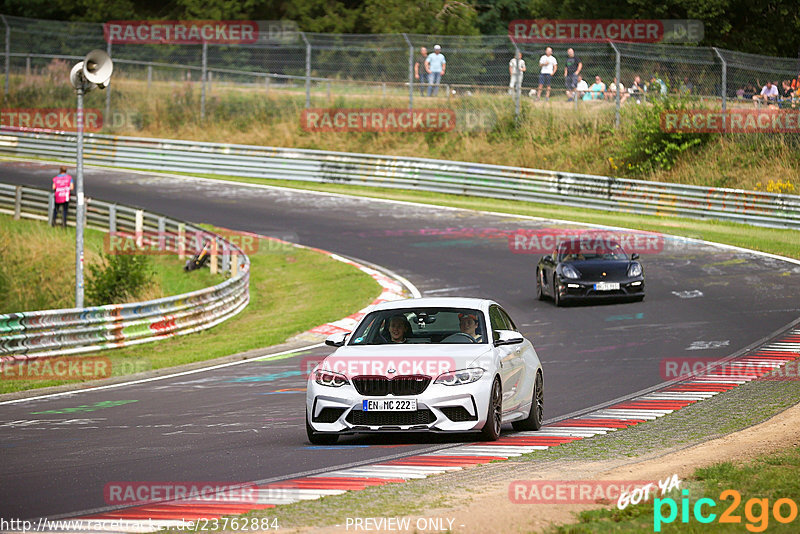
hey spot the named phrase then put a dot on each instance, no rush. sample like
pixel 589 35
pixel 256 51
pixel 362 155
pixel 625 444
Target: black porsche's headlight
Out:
pixel 568 271
pixel 635 269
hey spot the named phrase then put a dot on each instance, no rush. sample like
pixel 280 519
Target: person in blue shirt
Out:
pixel 435 66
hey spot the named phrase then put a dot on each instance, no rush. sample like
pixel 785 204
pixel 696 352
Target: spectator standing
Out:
pixel 611 94
pixel 62 187
pixel 419 70
pixel 516 70
pixel 435 65
pixel 769 94
pixel 597 90
pixel 571 72
pixel 548 66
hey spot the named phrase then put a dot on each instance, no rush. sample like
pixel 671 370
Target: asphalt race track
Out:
pixel 233 424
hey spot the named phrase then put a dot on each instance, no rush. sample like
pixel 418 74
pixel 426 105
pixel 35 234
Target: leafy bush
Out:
pixel 648 147
pixel 118 278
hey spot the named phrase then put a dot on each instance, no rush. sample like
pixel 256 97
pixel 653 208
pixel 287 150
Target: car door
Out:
pixel 547 266
pixel 527 362
pixel 509 361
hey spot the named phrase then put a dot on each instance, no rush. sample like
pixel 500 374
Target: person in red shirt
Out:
pixel 62 187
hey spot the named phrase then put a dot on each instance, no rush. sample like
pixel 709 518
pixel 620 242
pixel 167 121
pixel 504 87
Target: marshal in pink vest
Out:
pixel 62 184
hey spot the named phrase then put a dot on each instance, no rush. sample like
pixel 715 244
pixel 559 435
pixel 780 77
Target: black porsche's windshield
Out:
pixel 421 325
pixel 590 250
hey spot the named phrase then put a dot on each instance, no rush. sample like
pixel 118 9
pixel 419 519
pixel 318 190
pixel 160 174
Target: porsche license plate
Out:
pixel 606 286
pixel 389 405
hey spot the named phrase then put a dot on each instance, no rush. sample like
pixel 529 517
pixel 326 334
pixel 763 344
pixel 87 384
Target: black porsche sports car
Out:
pixel 597 269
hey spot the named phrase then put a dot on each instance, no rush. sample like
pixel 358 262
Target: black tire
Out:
pixel 319 439
pixel 556 297
pixel 494 413
pixel 539 288
pixel 536 415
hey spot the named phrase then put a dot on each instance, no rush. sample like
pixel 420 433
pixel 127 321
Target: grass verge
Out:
pixel 291 290
pixel 38 267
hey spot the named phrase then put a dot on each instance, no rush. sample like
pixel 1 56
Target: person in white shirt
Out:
pixel 581 88
pixel 769 93
pixel 516 70
pixel 548 66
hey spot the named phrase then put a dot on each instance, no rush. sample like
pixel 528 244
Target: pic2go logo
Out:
pixel 756 511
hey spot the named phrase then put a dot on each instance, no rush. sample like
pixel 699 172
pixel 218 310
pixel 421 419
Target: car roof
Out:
pixel 436 302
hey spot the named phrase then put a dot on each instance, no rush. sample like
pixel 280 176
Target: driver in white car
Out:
pixel 469 325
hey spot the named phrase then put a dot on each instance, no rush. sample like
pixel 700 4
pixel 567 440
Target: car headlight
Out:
pixel 635 269
pixel 570 272
pixel 462 376
pixel 330 378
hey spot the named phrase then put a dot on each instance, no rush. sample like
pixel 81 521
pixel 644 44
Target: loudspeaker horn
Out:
pixel 97 68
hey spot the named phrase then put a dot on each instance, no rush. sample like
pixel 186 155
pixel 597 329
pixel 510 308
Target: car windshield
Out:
pixel 421 325
pixel 590 250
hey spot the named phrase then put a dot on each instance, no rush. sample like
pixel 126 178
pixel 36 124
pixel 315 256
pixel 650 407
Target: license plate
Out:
pixel 606 286
pixel 389 405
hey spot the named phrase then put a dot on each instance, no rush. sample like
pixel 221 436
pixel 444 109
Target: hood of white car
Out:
pixel 403 359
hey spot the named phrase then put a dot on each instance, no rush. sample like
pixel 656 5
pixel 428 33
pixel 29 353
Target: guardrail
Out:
pixel 72 331
pixel 460 178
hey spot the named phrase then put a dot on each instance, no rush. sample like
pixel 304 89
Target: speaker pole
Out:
pixel 80 211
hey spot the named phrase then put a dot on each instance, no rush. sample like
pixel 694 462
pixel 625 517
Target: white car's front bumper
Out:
pixel 440 408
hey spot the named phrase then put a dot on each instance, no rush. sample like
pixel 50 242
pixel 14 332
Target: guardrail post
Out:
pixel 234 264
pixel 213 263
pixel 226 258
pixel 139 226
pixel 28 66
pixel 149 77
pixel 181 241
pixel 112 218
pixel 410 72
pixel 51 206
pixel 203 74
pixel 266 83
pixel 162 229
pixel 18 202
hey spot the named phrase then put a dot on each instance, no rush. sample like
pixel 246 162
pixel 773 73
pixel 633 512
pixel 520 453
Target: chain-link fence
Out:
pixel 388 70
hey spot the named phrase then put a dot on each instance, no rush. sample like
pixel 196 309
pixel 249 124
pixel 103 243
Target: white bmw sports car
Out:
pixel 429 364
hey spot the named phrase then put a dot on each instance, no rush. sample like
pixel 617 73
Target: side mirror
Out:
pixel 337 340
pixel 507 337
pixel 634 256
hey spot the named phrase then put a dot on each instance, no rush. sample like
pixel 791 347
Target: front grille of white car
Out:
pixel 420 417
pixel 379 386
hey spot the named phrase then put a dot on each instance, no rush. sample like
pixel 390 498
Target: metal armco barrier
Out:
pixel 453 177
pixel 72 331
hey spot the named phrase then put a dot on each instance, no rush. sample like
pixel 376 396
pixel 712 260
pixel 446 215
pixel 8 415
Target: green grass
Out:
pixel 37 271
pixel 772 240
pixel 550 135
pixel 766 478
pixel 291 291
